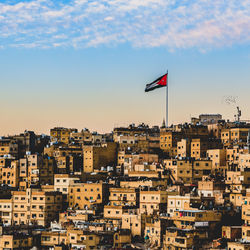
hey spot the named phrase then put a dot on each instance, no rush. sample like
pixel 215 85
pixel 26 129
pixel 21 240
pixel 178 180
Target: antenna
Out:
pixel 238 114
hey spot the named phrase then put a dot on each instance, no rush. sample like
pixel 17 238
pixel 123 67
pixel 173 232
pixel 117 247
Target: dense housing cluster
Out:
pixel 139 187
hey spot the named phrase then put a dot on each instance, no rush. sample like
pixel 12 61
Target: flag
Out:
pixel 158 83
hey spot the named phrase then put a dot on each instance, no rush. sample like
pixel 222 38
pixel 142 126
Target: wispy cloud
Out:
pixel 202 24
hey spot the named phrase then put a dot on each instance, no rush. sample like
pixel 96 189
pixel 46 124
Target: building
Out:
pixel 87 195
pixel 124 196
pixel 153 202
pixel 95 157
pixel 60 134
pixel 35 206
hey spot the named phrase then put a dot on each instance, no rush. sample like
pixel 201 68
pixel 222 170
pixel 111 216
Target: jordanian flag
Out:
pixel 158 83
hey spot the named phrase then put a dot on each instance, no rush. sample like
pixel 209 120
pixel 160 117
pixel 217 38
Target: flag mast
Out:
pixel 167 101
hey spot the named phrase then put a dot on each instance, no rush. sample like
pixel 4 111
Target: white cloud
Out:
pixel 202 24
pixel 108 18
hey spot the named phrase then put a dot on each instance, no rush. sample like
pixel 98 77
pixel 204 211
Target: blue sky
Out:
pixel 85 63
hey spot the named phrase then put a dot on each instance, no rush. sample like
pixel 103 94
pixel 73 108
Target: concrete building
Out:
pixel 35 206
pixel 95 157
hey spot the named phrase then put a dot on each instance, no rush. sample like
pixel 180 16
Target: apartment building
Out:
pixel 232 136
pixel 10 174
pixel 124 196
pixel 218 157
pixel 168 141
pixel 86 195
pixel 60 134
pixel 8 147
pixel 183 148
pixel 16 241
pixel 134 221
pixel 62 182
pixel 188 170
pixel 95 157
pixel 6 211
pixel 179 202
pixel 153 202
pixel 35 206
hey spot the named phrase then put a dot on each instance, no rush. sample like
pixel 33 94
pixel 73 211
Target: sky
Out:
pixel 82 63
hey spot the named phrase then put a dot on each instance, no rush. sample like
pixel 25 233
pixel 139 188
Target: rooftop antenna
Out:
pixel 238 115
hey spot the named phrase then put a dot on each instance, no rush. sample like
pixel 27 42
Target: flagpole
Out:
pixel 167 101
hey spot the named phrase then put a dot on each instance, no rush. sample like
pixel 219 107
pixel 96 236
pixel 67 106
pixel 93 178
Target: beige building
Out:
pixel 211 188
pixel 6 211
pixel 153 202
pixel 35 169
pixel 76 238
pixel 233 136
pixel 168 141
pixel 134 221
pixel 114 212
pixel 124 196
pixel 154 231
pixel 8 147
pixel 183 148
pixel 82 239
pixel 16 241
pixel 122 238
pixel 244 161
pixel 188 171
pixel 87 195
pixel 178 202
pixel 35 206
pixel 238 180
pixel 62 183
pixel 61 134
pixel 135 183
pixel 218 157
pixel 95 157
pixel 10 174
pixel 83 137
pixel 238 246
pixel 190 218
